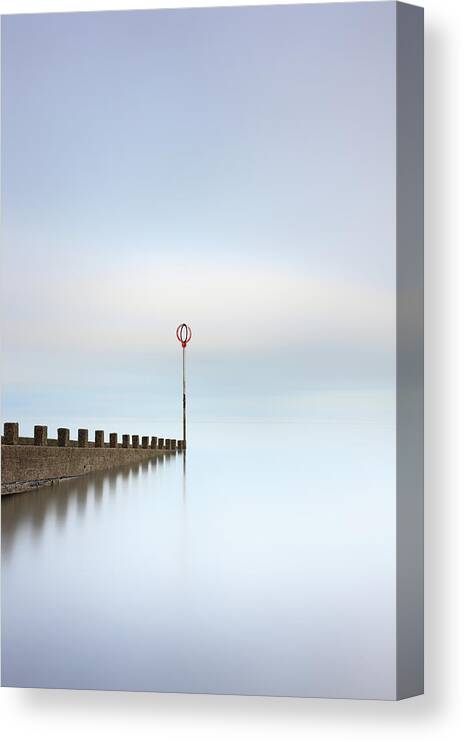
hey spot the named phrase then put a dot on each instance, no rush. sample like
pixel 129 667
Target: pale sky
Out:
pixel 229 168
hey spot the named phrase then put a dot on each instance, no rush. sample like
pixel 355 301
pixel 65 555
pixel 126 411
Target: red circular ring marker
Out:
pixel 183 334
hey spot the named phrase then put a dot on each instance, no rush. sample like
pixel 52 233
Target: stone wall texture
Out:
pixel 28 463
pixel 24 465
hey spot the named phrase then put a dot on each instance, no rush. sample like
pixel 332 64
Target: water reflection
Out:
pixel 257 568
pixel 55 503
pixel 184 474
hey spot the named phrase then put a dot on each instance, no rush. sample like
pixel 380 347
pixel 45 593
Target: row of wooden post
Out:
pixel 11 437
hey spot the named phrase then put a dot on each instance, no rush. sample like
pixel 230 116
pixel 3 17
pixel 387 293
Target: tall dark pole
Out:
pixel 183 334
pixel 184 394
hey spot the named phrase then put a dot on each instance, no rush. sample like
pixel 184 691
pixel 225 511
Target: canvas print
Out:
pixel 212 350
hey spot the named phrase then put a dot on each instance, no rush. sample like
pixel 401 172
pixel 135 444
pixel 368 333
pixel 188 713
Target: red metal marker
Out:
pixel 183 334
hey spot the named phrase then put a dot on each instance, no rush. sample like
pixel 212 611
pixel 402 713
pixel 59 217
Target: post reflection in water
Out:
pixel 272 573
pixel 37 510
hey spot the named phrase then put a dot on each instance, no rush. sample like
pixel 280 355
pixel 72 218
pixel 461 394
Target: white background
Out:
pixel 56 715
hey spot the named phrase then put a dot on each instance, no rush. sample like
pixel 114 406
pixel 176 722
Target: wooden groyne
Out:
pixel 28 463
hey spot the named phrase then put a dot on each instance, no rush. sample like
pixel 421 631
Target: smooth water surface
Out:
pixel 262 564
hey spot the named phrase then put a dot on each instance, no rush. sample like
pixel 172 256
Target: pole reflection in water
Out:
pixel 184 473
pixel 272 574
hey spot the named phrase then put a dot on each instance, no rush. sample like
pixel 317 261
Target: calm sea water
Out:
pixel 263 563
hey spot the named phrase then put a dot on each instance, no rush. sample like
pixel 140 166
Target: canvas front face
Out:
pixel 235 173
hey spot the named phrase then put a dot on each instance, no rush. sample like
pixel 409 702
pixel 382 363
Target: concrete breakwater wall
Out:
pixel 28 463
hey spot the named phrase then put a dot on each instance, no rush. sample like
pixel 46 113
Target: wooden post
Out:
pixel 11 434
pixel 63 437
pixel 99 439
pixel 154 441
pixel 113 440
pixel 145 441
pixel 161 443
pixel 125 441
pixel 83 438
pixel 40 435
pixel 135 441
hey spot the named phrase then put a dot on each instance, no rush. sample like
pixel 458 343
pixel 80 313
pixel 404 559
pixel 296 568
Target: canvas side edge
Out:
pixel 409 361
